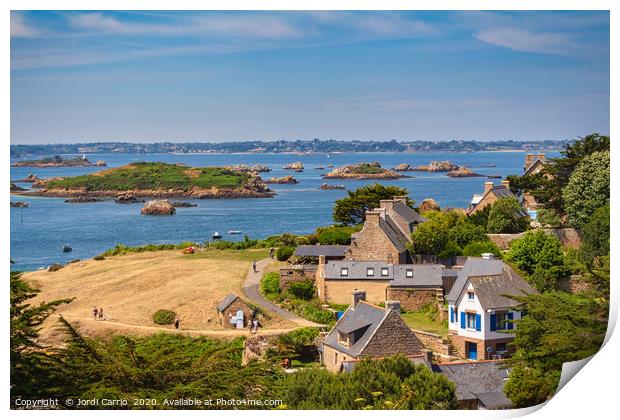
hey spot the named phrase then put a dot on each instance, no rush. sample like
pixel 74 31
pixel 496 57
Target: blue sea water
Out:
pixel 39 232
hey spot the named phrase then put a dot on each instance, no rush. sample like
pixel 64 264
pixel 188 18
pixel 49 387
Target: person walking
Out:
pixel 255 325
pixel 254 266
pixel 101 317
pixel 177 323
pixel 272 253
pixel 95 312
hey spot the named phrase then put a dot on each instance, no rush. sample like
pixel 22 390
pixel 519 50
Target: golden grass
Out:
pixel 130 288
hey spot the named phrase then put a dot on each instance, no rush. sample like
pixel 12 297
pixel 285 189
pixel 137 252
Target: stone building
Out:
pixel 296 273
pixel 490 195
pixel 368 331
pixel 234 312
pixel 534 163
pixel 413 285
pixel 386 233
pixel 481 314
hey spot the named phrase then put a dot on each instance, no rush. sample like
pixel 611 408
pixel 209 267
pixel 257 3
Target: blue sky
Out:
pixel 224 76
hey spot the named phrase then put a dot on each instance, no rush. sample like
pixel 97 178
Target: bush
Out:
pixel 312 311
pixel 335 235
pixel 506 216
pixel 299 343
pixel 99 258
pixel 270 285
pixel 284 253
pixel 164 317
pixel 548 218
pixel 476 249
pixel 302 289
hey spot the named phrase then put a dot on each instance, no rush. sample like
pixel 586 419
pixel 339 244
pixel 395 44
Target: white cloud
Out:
pixel 528 41
pixel 20 28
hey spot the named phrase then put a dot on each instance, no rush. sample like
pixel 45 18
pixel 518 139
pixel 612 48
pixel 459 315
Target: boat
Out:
pixel 67 248
pixel 216 235
pixel 235 232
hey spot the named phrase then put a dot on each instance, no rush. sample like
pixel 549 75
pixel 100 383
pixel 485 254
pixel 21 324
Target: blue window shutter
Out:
pixel 509 324
pixel 463 320
pixel 451 313
pixel 493 325
pixel 478 323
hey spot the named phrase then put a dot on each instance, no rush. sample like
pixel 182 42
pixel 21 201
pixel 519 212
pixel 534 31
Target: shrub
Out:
pixel 302 289
pixel 99 258
pixel 335 235
pixel 299 343
pixel 164 317
pixel 506 216
pixel 270 285
pixel 476 249
pixel 284 253
pixel 548 218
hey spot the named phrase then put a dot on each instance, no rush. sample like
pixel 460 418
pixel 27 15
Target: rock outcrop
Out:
pixel 284 180
pixel 437 166
pixel 15 188
pixel 403 167
pixel 296 166
pixel 462 172
pixel 326 186
pixel 19 204
pixel 366 170
pixel 29 178
pixel 428 204
pixel 127 198
pixel 101 163
pixel 247 168
pixel 158 208
pixel 42 182
pixel 82 199
pixel 183 204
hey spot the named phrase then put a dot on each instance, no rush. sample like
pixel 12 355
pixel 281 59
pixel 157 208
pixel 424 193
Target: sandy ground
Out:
pixel 132 287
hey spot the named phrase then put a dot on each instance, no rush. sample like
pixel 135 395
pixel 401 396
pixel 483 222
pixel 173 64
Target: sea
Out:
pixel 40 231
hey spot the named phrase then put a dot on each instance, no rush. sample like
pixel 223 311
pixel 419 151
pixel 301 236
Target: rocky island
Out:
pixel 295 166
pixel 284 180
pixel 247 168
pixel 433 166
pixel 462 172
pixel 58 161
pixel 138 180
pixel 366 170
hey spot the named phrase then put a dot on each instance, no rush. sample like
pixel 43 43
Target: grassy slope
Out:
pixel 420 321
pixel 153 175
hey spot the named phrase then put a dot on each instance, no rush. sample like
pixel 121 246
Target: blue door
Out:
pixel 472 350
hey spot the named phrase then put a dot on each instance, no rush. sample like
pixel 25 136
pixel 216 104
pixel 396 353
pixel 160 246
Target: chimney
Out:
pixel 372 217
pixel 541 156
pixel 393 305
pixel 488 186
pixel 488 256
pixel 321 259
pixel 386 204
pixel 401 198
pixel 529 159
pixel 357 295
pixel 506 183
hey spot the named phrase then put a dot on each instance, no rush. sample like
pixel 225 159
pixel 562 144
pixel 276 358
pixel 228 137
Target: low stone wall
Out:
pixel 296 273
pixel 435 343
pixel 574 284
pixel 413 299
pixel 567 236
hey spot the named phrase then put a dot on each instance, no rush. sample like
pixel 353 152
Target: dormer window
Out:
pixel 344 339
pixel 384 271
pixel 409 273
pixel 370 272
pixel 344 271
pixel 470 296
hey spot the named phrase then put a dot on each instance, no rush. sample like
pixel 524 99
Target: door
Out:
pixel 472 350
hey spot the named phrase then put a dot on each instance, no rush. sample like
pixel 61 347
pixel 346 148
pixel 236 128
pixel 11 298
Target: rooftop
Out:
pixel 317 250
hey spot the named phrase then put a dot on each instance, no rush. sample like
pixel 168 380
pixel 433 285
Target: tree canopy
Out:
pixel 351 210
pixel 506 215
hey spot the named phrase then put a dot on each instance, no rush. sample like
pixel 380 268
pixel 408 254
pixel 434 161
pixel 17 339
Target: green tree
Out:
pixel 548 218
pixel 284 253
pixel 587 188
pixel 595 236
pixel 527 387
pixel 507 216
pixel 351 210
pixel 476 249
pixel 335 235
pixel 540 257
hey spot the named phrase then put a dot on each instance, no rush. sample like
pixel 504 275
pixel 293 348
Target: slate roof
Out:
pixel 500 191
pixel 533 167
pixel 424 275
pixel 393 232
pixel 482 381
pixel 316 250
pixel 492 279
pixel 409 214
pixel 226 302
pixel 363 315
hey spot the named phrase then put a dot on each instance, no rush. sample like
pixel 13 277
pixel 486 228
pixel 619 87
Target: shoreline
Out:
pixel 148 194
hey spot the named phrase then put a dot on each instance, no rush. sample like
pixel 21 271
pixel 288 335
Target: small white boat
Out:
pixel 216 235
pixel 235 232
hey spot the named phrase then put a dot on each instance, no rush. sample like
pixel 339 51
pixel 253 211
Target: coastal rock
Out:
pixel 326 186
pixel 55 267
pixel 294 166
pixel 82 199
pixel 158 208
pixel 494 176
pixel 247 168
pixel 101 163
pixel 29 178
pixel 428 204
pixel 403 167
pixel 127 198
pixel 20 204
pixel 462 172
pixel 437 166
pixel 366 170
pixel 15 188
pixel 42 183
pixel 183 204
pixel 284 180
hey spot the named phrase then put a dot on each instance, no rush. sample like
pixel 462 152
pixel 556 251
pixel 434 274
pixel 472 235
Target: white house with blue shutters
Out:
pixel 482 316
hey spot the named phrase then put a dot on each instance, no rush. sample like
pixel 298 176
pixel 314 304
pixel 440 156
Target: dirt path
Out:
pixel 90 322
pixel 250 288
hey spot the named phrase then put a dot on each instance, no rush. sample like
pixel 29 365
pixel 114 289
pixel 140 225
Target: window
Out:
pixel 409 272
pixel 470 296
pixel 384 271
pixel 335 358
pixel 344 271
pixel 471 320
pixel 500 322
pixel 370 272
pixel 500 348
pixel 343 339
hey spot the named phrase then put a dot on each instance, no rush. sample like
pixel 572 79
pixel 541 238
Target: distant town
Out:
pixel 287 146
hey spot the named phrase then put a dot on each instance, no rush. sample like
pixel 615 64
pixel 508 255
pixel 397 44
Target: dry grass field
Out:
pixel 130 288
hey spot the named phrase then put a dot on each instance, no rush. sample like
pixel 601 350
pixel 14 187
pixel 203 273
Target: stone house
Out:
pixel 297 273
pixel 309 255
pixel 479 385
pixel 368 331
pixel 386 233
pixel 413 285
pixel 234 312
pixel 481 314
pixel 490 195
pixel 534 163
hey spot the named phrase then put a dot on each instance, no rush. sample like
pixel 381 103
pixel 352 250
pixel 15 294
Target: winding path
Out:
pixel 250 288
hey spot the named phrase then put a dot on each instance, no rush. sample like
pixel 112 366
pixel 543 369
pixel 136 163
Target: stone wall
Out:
pixel 372 244
pixel 332 358
pixel 393 337
pixel 567 236
pixel 413 299
pixel 574 284
pixel 435 343
pixel 232 309
pixel 296 273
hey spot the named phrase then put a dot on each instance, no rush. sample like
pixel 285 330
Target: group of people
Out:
pixel 98 314
pixel 254 326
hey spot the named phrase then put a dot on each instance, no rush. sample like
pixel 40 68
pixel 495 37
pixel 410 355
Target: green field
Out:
pixel 422 322
pixel 153 175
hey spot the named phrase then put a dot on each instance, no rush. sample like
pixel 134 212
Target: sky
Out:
pixel 149 76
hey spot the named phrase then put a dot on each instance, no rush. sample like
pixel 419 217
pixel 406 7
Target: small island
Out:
pixel 156 179
pixel 284 180
pixel 433 166
pixel 57 162
pixel 366 170
pixel 462 172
